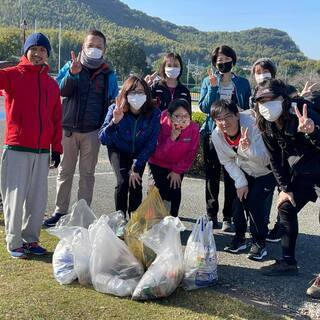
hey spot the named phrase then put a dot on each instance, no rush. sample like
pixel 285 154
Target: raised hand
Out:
pixel 306 125
pixel 118 110
pixel 212 78
pixel 244 142
pixel 150 78
pixel 307 90
pixel 76 66
pixel 175 132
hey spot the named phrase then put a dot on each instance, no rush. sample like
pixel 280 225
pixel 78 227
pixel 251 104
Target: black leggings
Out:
pixel 305 189
pixel 121 164
pixel 213 171
pixel 255 207
pixel 159 175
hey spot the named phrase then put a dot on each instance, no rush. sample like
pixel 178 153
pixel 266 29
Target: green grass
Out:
pixel 29 291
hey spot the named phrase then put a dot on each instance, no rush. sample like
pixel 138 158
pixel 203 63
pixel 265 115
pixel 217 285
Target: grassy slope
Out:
pixel 29 291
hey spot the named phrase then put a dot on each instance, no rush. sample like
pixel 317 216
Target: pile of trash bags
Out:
pixel 148 264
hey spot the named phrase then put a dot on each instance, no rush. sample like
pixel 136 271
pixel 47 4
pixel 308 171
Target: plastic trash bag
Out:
pixel 81 215
pixel 81 249
pixel 200 257
pixel 113 268
pixel 63 263
pixel 166 272
pixel 151 211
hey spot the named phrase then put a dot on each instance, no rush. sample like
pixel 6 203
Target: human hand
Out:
pixel 212 78
pixel 118 111
pixel 285 196
pixel 150 78
pixel 242 192
pixel 175 132
pixel 307 90
pixel 134 179
pixel 175 180
pixel 76 65
pixel 306 125
pixel 244 142
pixel 55 159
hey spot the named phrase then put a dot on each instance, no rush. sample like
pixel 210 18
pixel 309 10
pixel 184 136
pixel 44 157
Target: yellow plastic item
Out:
pixel 151 211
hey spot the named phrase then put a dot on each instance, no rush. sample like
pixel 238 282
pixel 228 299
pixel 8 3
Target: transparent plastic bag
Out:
pixel 200 257
pixel 81 249
pixel 63 263
pixel 117 222
pixel 113 268
pixel 151 211
pixel 81 215
pixel 166 272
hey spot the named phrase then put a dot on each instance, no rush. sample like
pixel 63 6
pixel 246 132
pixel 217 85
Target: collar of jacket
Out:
pixel 26 65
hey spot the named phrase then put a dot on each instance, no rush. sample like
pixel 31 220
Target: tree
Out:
pixel 127 58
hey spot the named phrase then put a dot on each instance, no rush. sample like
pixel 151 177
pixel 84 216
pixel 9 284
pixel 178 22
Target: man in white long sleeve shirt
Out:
pixel 242 152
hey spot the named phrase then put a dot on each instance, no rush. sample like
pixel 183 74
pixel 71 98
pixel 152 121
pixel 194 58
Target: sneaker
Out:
pixel 274 235
pixel 257 252
pixel 314 290
pixel 280 268
pixel 18 253
pixel 237 245
pixel 34 248
pixel 51 222
pixel 226 226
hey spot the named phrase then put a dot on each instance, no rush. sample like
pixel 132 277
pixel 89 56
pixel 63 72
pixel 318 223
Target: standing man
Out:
pixel 88 86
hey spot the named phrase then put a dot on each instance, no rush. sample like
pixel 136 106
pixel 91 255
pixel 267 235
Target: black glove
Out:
pixel 55 159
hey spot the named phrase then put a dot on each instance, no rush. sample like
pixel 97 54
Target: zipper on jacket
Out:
pixel 39 109
pixel 134 135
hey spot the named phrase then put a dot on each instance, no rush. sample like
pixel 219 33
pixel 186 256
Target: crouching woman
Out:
pixel 177 147
pixel 130 132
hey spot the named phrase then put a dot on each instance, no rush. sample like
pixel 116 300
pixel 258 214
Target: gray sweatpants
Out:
pixel 24 188
pixel 86 146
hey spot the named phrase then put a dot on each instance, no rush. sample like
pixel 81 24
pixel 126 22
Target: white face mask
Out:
pixel 271 110
pixel 136 101
pixel 262 76
pixel 93 53
pixel 171 72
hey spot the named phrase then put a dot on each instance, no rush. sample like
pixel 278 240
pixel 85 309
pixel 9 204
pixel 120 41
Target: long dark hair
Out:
pixel 129 85
pixel 279 89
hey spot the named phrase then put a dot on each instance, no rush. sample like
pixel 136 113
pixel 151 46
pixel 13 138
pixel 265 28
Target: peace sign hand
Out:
pixel 244 142
pixel 118 111
pixel 306 125
pixel 212 78
pixel 150 78
pixel 307 90
pixel 76 66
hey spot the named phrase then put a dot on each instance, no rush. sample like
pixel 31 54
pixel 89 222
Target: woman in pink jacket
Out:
pixel 177 147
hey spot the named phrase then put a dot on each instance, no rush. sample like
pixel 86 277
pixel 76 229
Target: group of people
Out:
pixel 260 139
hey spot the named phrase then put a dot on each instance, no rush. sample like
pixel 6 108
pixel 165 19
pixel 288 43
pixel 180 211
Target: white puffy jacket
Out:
pixel 253 161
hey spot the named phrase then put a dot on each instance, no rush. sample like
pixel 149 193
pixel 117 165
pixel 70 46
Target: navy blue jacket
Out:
pixel 134 135
pixel 86 97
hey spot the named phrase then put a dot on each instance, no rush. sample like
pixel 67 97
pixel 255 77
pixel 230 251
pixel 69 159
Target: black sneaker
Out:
pixel 280 268
pixel 274 235
pixel 257 252
pixel 237 245
pixel 51 222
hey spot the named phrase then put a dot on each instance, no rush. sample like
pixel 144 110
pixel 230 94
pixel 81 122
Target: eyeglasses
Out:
pixel 224 119
pixel 178 117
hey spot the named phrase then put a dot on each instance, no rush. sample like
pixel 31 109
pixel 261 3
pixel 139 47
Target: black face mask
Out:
pixel 224 67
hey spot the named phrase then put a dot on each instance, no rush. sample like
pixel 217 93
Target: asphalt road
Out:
pixel 238 276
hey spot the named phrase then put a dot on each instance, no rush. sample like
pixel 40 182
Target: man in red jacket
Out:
pixel 33 129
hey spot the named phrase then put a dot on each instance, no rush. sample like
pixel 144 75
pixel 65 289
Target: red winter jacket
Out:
pixel 178 155
pixel 33 108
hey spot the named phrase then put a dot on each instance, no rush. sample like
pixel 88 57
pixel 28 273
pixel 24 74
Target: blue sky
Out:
pixel 300 19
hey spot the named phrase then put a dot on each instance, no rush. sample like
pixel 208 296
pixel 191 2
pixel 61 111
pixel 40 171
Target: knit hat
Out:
pixel 266 63
pixel 37 39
